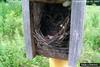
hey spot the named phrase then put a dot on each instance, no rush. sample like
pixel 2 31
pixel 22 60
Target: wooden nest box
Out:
pixel 52 29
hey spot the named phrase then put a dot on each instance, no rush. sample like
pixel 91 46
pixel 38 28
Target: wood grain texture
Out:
pixel 76 31
pixel 30 48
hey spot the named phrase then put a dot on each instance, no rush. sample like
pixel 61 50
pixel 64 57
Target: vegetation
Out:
pixel 90 2
pixel 12 52
pixel 91 52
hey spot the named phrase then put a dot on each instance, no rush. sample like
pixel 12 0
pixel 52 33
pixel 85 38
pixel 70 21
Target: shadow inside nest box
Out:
pixel 51 29
pixel 53 16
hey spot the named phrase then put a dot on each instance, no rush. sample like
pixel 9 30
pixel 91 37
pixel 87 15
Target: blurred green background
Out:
pixel 12 51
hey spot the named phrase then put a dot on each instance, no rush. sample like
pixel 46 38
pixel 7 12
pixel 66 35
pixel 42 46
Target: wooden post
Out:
pixel 58 62
pixel 76 31
pixel 29 42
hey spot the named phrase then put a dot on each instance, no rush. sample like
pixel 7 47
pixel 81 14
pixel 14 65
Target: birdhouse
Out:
pixel 53 28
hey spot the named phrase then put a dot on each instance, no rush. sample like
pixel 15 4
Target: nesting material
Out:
pixel 51 30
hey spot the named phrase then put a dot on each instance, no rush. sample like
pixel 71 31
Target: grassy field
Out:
pixel 12 52
pixel 91 52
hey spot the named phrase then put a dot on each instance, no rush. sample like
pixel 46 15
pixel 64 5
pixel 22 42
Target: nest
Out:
pixel 51 32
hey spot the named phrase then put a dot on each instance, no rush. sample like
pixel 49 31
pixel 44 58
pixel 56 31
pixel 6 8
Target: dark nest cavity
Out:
pixel 52 31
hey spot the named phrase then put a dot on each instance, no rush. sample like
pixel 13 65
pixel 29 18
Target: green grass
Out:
pixel 12 51
pixel 91 51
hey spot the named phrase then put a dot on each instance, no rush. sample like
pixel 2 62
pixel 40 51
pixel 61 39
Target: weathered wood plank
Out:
pixel 30 48
pixel 76 31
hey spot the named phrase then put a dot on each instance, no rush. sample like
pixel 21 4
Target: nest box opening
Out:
pixel 51 29
pixel 55 21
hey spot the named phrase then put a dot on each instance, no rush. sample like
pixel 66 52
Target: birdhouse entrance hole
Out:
pixel 51 29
